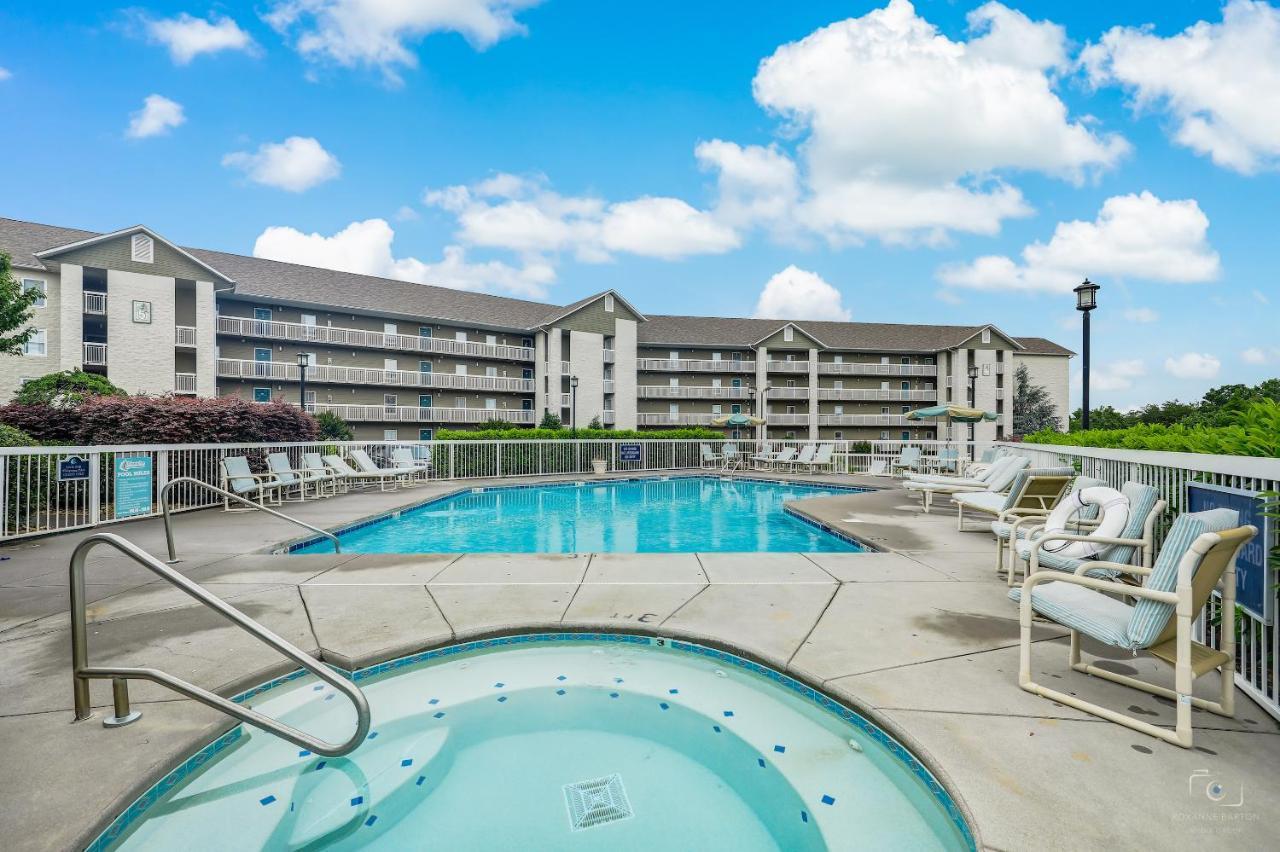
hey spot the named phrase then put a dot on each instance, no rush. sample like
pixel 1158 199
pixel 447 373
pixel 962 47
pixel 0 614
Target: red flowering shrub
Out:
pixel 162 420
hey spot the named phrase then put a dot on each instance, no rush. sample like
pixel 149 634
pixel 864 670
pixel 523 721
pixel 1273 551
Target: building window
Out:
pixel 791 409
pixel 262 394
pixel 717 409
pixel 737 383
pixel 424 331
pixel 986 335
pixel 608 302
pixel 905 409
pixel 791 435
pixel 839 409
pixel 459 402
pixel 788 334
pixel 791 357
pixel 460 336
pixel 526 373
pixel 906 386
pixel 390 401
pixel 29 284
pixel 37 346
pixel 390 365
pixel 673 410
pixel 735 409
pixel 791 383
pixel 491 339
pixel 526 405
pixel 884 436
pixel 490 404
pixel 263 314
pixel 309 320
pixel 142 249
pixel 491 372
pixel 906 436
pixel 715 383
pixel 459 369
pixel 884 409
pixel 390 435
pixel 675 355
pixel 424 367
pixel 715 356
pixel 526 342
pixel 424 400
pixel 388 328
pixel 839 436
pixel 675 383
pixel 425 434
pixel 262 355
pixel 838 384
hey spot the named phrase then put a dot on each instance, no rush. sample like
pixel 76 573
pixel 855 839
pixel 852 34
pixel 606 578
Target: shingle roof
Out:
pixel 740 332
pixel 1041 346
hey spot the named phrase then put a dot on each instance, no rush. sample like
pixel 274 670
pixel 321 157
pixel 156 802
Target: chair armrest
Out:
pixel 1095 564
pixel 1022 513
pixel 1091 583
pixel 1101 539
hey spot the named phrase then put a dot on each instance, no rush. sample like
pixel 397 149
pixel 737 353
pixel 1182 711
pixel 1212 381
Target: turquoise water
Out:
pixel 487 750
pixel 678 515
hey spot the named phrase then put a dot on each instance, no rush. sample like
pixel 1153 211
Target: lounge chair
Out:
pixel 291 480
pixel 823 458
pixel 1200 551
pixel 710 458
pixel 383 476
pixel 805 458
pixel 1137 538
pixel 402 458
pixel 785 457
pixel 948 461
pixel 878 467
pixel 732 458
pixel 1012 526
pixel 368 466
pixel 906 460
pixel 325 478
pixel 239 479
pixel 998 479
pixel 763 460
pixel 1034 491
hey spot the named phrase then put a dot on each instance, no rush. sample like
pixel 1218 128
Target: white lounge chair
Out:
pixel 368 466
pixel 807 452
pixel 906 460
pixel 785 457
pixel 325 478
pixel 291 481
pixel 350 474
pixel 1034 492
pixel 1199 552
pixel 999 480
pixel 403 458
pixel 823 458
pixel 710 458
pixel 763 460
pixel 878 467
pixel 732 458
pixel 239 479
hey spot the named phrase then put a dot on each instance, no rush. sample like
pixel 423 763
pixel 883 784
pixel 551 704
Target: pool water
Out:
pixel 677 515
pixel 544 744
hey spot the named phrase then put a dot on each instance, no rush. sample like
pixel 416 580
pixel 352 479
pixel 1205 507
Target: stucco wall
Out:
pixel 586 361
pixel 1053 373
pixel 140 356
pixel 624 374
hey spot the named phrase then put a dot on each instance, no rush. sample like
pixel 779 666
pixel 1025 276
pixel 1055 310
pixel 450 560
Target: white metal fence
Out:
pixel 1258 644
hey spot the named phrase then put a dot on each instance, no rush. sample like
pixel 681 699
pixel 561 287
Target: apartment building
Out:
pixel 399 360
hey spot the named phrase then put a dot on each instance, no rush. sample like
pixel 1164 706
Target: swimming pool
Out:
pixel 556 741
pixel 658 515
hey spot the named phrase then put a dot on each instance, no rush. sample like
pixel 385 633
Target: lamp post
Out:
pixel 973 403
pixel 304 361
pixel 573 405
pixel 1086 301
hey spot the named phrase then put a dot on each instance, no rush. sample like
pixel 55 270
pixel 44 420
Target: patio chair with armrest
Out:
pixel 402 458
pixel 291 480
pixel 1033 490
pixel 239 479
pixel 325 478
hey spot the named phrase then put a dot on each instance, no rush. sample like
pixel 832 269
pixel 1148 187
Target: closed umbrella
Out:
pixel 953 414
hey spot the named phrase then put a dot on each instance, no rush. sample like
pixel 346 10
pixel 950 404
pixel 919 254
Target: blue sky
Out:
pixel 951 162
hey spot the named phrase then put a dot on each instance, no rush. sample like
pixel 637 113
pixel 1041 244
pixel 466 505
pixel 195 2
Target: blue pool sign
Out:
pixel 1255 590
pixel 628 452
pixel 73 468
pixel 132 486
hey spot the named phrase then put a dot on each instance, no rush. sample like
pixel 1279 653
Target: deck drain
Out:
pixel 596 802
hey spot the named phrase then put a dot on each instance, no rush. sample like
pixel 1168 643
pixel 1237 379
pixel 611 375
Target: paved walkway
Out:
pixel 921 637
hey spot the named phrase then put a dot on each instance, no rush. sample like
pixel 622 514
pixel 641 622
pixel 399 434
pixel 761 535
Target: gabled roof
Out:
pixel 797 327
pixel 989 327
pixel 558 313
pixel 96 239
pixel 1041 346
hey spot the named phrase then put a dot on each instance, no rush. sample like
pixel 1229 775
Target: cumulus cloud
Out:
pixel 296 164
pixel 186 36
pixel 5 74
pixel 756 183
pixel 1113 376
pixel 1192 365
pixel 1260 297
pixel 796 293
pixel 365 248
pixel 1219 82
pixel 1141 315
pixel 158 116
pixel 1260 355
pixel 381 33
pixel 1133 236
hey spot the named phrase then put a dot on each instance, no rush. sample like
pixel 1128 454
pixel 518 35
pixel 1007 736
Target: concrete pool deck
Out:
pixel 921 637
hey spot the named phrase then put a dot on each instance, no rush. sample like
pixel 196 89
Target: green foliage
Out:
pixel 1253 430
pixel 11 437
pixel 1220 406
pixel 65 390
pixel 333 427
pixel 15 311
pixel 860 448
pixel 1033 411
pixel 550 421
pixel 595 423
pixel 495 423
pixel 508 433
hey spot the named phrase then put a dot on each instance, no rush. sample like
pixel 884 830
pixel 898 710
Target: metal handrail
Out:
pixel 168 521
pixel 82 672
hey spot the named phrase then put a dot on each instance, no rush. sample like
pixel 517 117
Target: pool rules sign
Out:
pixel 133 479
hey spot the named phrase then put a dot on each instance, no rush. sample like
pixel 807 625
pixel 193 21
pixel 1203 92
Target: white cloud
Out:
pixel 296 164
pixel 903 131
pixel 1141 315
pixel 757 184
pixel 158 116
pixel 1114 376
pixel 365 248
pixel 379 33
pixel 405 213
pixel 1260 355
pixel 187 37
pixel 796 293
pixel 664 227
pixel 1192 365
pixel 5 73
pixel 1220 82
pixel 1134 236
pixel 1260 297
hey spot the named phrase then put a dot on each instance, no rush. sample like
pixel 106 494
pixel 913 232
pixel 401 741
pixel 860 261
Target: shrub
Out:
pixel 65 390
pixel 595 423
pixel 334 428
pixel 550 421
pixel 862 448
pixel 163 420
pixel 11 437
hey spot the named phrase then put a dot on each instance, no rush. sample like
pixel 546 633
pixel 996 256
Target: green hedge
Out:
pixel 551 451
pixel 568 434
pixel 1254 432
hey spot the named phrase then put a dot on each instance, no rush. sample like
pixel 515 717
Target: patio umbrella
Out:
pixel 953 414
pixel 736 420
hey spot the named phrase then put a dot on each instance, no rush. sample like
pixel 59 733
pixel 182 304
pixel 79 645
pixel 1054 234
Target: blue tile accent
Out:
pixel 357 800
pixel 329 697
pixel 561 677
pixel 780 749
pixel 804 816
pixel 408 761
pixel 617 680
pixel 499 685
pixel 715 728
pixel 373 735
pixel 827 800
pixel 728 714
pixel 434 701
pixel 421 778
pixel 371 820
pixel 317 687
pixel 266 800
pixel 613 695
pixel 760 760
pixel 559 692
pixel 321 765
pixel 673 691
pixel 303 753
pixel 438 715
pixel 664 705
pixel 501 699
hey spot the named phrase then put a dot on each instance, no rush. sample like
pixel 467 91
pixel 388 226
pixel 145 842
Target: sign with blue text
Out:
pixel 132 486
pixel 1255 588
pixel 73 468
pixel 628 452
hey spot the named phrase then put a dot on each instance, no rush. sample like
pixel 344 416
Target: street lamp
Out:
pixel 973 403
pixel 1086 301
pixel 304 361
pixel 573 405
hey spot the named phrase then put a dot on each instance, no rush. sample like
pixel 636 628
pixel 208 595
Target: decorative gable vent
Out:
pixel 788 334
pixel 608 302
pixel 144 249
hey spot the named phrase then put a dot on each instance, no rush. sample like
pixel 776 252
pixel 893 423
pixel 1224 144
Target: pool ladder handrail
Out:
pixel 82 672
pixel 168 520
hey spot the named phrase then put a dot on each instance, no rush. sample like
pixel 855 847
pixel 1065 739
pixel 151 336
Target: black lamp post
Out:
pixel 304 361
pixel 1086 301
pixel 573 405
pixel 973 403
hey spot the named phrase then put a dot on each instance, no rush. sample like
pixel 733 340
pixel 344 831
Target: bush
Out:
pixel 334 428
pixel 860 448
pixel 163 420
pixel 11 437
pixel 550 421
pixel 65 390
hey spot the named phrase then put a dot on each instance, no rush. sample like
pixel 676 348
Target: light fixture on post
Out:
pixel 1086 301
pixel 573 405
pixel 973 403
pixel 304 361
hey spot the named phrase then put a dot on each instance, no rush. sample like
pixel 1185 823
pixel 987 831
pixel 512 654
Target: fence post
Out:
pixel 451 448
pixel 497 458
pixel 95 488
pixel 162 471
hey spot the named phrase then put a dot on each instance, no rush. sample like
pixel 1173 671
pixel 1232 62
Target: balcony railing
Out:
pixel 323 374
pixel 184 382
pixel 608 386
pixel 185 335
pixel 788 419
pixel 606 417
pixel 787 393
pixel 551 368
pixel 689 392
pixel 866 420
pixel 876 394
pixel 683 365
pixel 788 366
pixel 659 418
pixel 608 356
pixel 566 400
pixel 417 414
pixel 95 303
pixel 857 369
pixel 95 354
pixel 302 333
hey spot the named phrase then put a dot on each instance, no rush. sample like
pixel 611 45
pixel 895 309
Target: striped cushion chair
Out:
pixel 1013 522
pixel 1199 552
pixel 1033 490
pixel 1138 536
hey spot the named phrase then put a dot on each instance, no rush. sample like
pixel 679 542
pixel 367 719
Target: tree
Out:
pixel 1032 408
pixel 595 423
pixel 333 427
pixel 550 421
pixel 1104 417
pixel 15 311
pixel 65 390
pixel 494 423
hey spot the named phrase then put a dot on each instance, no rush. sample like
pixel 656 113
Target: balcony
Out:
pixel 95 303
pixel 184 382
pixel 551 368
pixel 865 420
pixel 788 419
pixel 185 335
pixel 877 395
pixel 689 392
pixel 659 418
pixel 417 414
pixel 608 356
pixel 95 354
pixel 683 365
pixel 608 386
pixel 857 369
pixel 321 374
pixel 361 339
pixel 787 393
pixel 607 417
pixel 788 366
